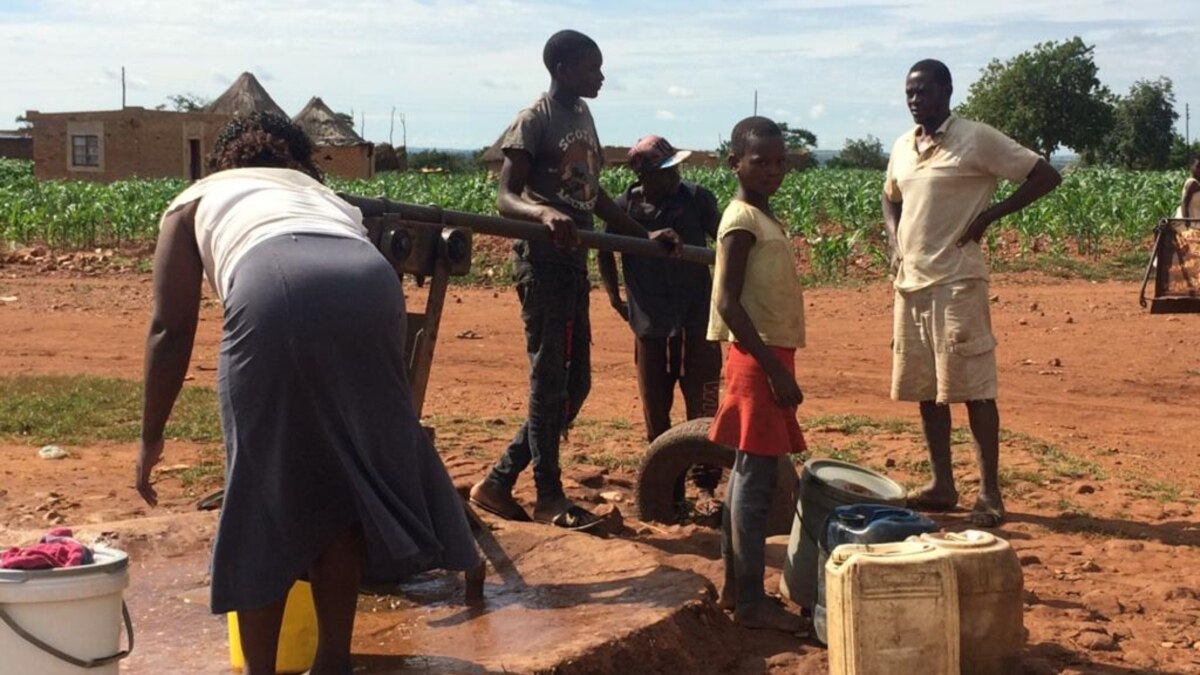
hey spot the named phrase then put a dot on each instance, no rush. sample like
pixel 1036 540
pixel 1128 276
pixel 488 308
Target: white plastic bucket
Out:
pixel 65 621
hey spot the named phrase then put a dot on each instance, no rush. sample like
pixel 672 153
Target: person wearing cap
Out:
pixel 667 301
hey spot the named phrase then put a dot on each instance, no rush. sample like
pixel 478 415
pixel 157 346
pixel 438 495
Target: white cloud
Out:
pixel 467 66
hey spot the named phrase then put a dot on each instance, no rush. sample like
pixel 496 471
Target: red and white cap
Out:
pixel 652 153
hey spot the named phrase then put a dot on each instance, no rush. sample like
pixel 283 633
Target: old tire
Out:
pixel 668 459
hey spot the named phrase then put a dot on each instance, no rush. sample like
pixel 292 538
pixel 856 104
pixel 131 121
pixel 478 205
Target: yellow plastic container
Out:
pixel 891 608
pixel 990 603
pixel 297 636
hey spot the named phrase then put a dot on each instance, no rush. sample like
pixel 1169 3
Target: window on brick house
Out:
pixel 85 150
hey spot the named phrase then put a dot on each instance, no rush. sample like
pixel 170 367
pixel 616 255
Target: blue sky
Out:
pixel 459 71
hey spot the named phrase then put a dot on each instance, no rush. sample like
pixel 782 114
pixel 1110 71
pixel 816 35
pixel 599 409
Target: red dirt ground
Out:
pixel 1109 550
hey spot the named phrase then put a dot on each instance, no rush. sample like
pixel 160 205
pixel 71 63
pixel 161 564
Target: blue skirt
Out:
pixel 321 434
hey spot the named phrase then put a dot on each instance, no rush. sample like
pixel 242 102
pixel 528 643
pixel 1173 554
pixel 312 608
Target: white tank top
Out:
pixel 239 208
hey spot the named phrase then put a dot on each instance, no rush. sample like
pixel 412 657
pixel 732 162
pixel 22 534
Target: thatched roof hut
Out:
pixel 338 148
pixel 324 127
pixel 243 97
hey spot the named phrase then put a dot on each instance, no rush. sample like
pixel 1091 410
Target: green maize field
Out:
pixel 835 213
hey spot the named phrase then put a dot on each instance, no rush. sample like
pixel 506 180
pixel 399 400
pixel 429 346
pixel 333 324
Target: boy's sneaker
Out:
pixel 567 515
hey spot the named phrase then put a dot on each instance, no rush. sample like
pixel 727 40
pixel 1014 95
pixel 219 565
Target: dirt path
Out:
pixel 1099 396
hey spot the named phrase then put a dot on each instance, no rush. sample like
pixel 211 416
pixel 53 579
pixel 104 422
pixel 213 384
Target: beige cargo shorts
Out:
pixel 942 344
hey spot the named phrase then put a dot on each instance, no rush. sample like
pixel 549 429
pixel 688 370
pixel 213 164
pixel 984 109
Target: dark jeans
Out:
pixel 744 535
pixel 558 335
pixel 694 363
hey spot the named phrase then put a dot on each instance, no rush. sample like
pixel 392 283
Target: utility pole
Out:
pixel 1187 132
pixel 122 87
pixel 755 102
pixel 362 126
pixel 392 129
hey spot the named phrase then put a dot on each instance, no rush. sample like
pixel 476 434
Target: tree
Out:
pixel 1045 98
pixel 797 139
pixel 1145 125
pixel 188 102
pixel 1181 153
pixel 861 153
pixel 347 118
pixel 434 159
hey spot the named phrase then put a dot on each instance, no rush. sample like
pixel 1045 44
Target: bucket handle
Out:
pixel 63 656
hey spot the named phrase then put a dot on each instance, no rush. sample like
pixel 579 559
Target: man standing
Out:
pixel 667 301
pixel 941 178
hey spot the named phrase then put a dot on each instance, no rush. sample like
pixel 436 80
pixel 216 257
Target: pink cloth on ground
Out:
pixel 56 549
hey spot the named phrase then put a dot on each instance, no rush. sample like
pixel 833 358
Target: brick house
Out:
pixel 16 144
pixel 109 145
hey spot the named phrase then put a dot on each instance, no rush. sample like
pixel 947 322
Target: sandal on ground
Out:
pixel 919 500
pixel 503 506
pixel 574 518
pixel 986 517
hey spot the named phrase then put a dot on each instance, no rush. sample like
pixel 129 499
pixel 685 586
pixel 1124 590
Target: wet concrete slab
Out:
pixel 555 602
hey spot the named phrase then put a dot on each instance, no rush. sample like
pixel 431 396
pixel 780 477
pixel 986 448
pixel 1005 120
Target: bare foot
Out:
pixel 727 599
pixel 769 615
pixel 933 498
pixel 988 512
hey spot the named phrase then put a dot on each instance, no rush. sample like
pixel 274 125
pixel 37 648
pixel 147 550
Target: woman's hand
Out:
pixel 149 455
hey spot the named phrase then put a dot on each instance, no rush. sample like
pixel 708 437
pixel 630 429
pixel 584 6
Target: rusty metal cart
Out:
pixel 1175 265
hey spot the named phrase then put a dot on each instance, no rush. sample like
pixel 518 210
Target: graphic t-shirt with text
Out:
pixel 566 162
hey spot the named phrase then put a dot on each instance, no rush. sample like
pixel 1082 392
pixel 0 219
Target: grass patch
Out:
pixel 81 409
pixel 1127 265
pixel 596 431
pixel 208 470
pixel 853 453
pixel 607 459
pixel 1068 508
pixel 1062 463
pixel 1018 482
pixel 1160 491
pixel 961 436
pixel 856 424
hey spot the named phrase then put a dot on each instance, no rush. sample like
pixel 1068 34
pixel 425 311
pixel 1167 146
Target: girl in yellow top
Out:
pixel 759 309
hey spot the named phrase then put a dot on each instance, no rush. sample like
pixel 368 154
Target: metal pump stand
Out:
pixel 429 242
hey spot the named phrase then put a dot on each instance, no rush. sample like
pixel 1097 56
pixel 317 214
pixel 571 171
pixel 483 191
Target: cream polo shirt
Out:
pixel 771 292
pixel 942 189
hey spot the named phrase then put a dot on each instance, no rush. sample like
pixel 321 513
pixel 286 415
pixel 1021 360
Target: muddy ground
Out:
pixel 1098 400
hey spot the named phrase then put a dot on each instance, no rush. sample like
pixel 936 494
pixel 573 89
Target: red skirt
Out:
pixel 749 419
